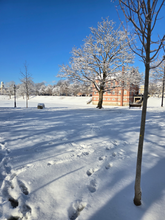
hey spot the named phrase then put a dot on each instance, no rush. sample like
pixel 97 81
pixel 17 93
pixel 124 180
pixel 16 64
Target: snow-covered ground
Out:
pixel 73 161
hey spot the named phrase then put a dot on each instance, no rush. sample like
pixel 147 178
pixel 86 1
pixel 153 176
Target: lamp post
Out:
pixel 163 87
pixel 14 96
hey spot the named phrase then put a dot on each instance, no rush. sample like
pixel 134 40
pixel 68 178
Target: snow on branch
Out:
pixel 104 52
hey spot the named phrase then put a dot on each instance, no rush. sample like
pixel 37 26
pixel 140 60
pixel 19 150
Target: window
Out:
pixel 113 92
pixel 119 92
pixel 113 83
pixel 125 92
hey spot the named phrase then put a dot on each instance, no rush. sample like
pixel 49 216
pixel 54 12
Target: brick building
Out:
pixel 118 96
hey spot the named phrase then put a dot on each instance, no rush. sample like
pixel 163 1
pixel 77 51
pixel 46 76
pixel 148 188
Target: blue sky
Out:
pixel 43 32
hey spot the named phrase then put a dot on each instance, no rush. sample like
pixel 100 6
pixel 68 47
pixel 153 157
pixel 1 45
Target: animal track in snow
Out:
pixel 102 158
pixel 115 142
pixel 91 171
pixel 92 186
pixel 108 147
pixel 109 165
pixel 75 209
pixel 80 151
pixel 114 154
pixel 83 150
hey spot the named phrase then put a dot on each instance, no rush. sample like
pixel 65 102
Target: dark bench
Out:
pixel 135 105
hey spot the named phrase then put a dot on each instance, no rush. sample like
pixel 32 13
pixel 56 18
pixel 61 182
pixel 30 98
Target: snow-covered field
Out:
pixel 73 161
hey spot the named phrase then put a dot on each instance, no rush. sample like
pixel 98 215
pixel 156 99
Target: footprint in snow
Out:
pixel 109 165
pixel 50 163
pixel 14 190
pixel 102 158
pixel 82 154
pixel 108 148
pixel 75 209
pixel 91 171
pixel 114 154
pixel 23 187
pixel 2 145
pixel 3 149
pixel 125 143
pixel 115 142
pixel 92 186
pixel 4 166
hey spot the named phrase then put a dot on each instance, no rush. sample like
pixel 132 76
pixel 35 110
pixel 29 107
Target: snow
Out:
pixel 73 161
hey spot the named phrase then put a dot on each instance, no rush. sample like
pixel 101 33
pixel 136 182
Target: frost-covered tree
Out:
pixel 56 90
pixel 103 53
pixel 21 90
pixel 74 88
pixel 158 74
pixel 143 15
pixel 10 88
pixel 154 87
pixel 37 87
pixel 64 87
pixel 28 85
pixel 48 89
pixel 42 90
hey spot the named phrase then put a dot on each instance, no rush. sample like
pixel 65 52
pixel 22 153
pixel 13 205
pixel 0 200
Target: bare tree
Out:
pixel 101 57
pixel 27 82
pixel 143 15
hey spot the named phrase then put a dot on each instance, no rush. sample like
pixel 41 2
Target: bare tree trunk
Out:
pixel 143 15
pixel 137 198
pixel 100 102
pixel 26 101
pixel 163 88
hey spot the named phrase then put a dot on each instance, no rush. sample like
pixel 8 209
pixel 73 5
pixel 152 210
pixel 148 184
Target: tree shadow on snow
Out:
pixel 121 205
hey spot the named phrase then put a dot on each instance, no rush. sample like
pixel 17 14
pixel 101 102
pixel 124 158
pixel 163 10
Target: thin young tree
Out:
pixel 99 60
pixel 27 82
pixel 143 15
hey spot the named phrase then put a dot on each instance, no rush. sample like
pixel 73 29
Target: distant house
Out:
pixel 2 86
pixel 118 96
pixel 141 90
pixel 2 89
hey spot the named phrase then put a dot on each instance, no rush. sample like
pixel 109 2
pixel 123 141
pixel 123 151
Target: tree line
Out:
pixel 62 87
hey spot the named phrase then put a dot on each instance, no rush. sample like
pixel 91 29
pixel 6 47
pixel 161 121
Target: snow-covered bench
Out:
pixel 135 105
pixel 41 105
